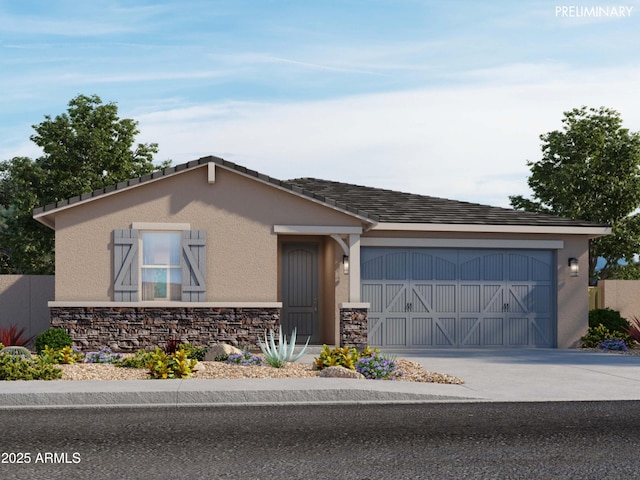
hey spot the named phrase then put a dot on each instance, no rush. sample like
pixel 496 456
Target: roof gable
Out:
pixel 370 204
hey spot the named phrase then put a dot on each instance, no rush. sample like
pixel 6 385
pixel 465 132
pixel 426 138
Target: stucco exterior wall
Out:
pixel 621 295
pixel 238 214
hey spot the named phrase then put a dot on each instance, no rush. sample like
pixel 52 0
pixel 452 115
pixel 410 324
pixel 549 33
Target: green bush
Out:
pixel 55 338
pixel 15 367
pixel 139 360
pixel 197 353
pixel 175 365
pixel 611 319
pixel 342 357
pixel 66 355
pixel 599 334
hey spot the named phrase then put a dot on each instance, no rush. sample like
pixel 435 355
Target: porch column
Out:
pixel 354 268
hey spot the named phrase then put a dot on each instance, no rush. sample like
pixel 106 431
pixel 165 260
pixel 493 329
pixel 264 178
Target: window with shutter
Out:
pixel 159 265
pixel 125 258
pixel 194 266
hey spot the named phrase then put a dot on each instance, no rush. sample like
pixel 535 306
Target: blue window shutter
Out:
pixel 194 266
pixel 125 265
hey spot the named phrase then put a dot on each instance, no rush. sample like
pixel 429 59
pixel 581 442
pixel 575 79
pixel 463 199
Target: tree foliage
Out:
pixel 590 171
pixel 85 149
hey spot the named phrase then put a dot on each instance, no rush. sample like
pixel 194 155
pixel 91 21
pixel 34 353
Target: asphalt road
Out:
pixel 469 440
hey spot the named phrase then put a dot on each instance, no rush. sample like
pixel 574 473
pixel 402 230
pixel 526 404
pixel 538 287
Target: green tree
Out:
pixel 85 149
pixel 590 170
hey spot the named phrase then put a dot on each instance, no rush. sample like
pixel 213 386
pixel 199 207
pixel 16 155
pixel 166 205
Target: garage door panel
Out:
pixel 422 331
pixel 460 297
pixel 422 266
pixel 493 298
pixel 395 297
pixel 470 270
pixel 470 299
pixel 445 298
pixel 519 299
pixel 518 267
pixel 493 267
pixel 445 332
pixel 375 330
pixel 395 332
pixel 395 266
pixel 493 331
pixel 518 331
pixel 470 332
pixel 421 298
pixel 541 298
pixel 372 294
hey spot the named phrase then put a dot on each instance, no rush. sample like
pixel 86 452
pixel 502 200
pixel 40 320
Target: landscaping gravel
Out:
pixel 412 372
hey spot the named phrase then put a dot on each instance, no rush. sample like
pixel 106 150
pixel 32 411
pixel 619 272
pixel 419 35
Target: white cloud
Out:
pixel 469 143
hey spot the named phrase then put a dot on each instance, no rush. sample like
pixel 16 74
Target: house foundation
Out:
pixel 128 329
pixel 353 326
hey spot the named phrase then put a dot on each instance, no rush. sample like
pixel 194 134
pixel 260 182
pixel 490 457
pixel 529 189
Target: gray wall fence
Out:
pixel 23 302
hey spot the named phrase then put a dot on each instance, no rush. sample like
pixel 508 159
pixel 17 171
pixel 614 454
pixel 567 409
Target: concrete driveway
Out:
pixel 536 374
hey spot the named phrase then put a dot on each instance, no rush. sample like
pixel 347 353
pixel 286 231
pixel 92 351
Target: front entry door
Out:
pixel 300 291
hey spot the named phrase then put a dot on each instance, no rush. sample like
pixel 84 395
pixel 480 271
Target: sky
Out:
pixel 440 98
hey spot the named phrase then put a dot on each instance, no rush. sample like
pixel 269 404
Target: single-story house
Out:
pixel 210 251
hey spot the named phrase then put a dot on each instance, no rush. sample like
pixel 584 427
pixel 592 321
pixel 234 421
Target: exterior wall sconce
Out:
pixel 345 264
pixel 574 269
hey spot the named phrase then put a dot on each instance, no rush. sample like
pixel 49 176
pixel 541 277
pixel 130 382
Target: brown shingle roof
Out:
pixel 375 204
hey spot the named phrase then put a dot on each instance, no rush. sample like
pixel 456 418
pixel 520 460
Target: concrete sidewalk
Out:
pixel 489 375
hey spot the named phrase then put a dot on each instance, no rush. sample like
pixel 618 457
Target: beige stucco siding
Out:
pixel 238 214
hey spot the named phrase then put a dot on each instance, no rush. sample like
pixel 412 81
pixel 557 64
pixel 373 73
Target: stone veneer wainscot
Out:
pixel 354 325
pixel 130 328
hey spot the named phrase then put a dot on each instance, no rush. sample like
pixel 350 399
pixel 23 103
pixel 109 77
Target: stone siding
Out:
pixel 353 327
pixel 127 329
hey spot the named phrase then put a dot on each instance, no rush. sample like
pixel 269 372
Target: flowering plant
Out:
pixel 613 344
pixel 378 367
pixel 245 359
pixel 104 355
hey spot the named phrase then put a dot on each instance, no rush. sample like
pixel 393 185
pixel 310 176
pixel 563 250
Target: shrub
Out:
pixel 597 335
pixel 17 367
pixel 104 355
pixel 139 360
pixel 11 336
pixel 197 353
pixel 174 365
pixel 378 367
pixel 55 338
pixel 613 345
pixel 339 356
pixel 611 319
pixel 245 359
pixel 66 355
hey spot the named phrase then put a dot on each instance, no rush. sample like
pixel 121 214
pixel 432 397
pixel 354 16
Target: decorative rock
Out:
pixel 221 349
pixel 340 372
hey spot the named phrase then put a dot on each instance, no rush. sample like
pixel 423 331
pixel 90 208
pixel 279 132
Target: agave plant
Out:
pixel 277 355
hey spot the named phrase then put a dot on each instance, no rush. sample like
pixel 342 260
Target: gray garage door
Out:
pixel 427 297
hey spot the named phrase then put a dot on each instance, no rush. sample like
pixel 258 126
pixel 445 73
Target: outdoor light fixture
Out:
pixel 345 264
pixel 574 269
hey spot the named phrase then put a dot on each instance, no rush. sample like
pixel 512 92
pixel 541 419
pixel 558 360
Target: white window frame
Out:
pixel 143 228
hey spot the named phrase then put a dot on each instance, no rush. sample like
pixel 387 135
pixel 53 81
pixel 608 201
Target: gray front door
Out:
pixel 300 291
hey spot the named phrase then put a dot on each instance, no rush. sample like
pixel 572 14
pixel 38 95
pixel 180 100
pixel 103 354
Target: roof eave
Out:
pixel 592 231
